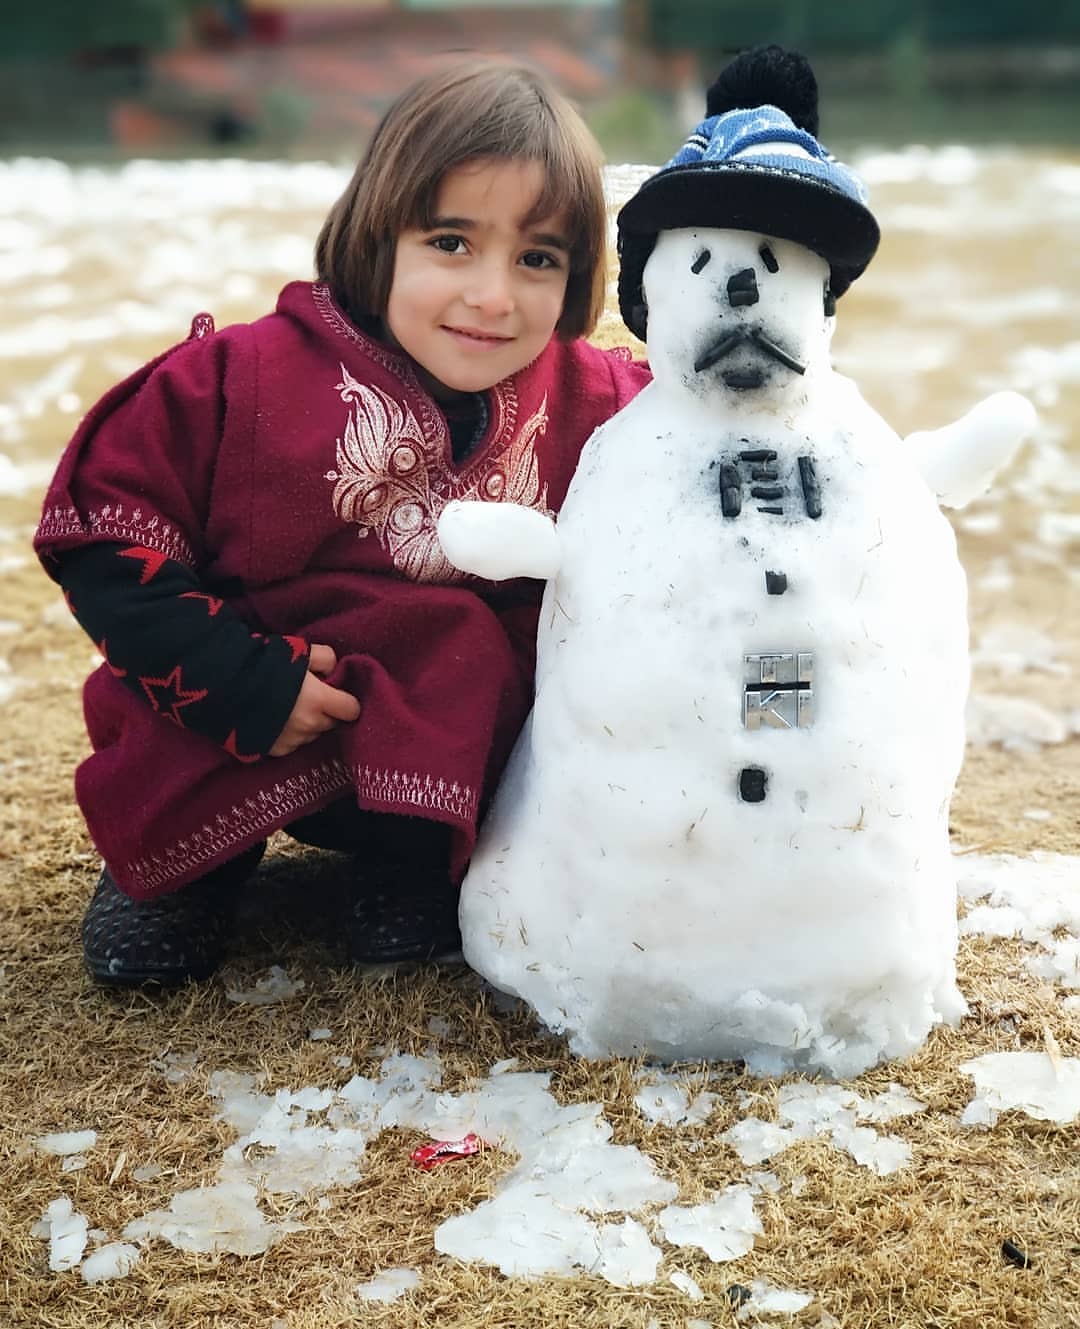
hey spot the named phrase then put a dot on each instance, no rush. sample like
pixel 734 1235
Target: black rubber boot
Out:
pixel 164 942
pixel 405 914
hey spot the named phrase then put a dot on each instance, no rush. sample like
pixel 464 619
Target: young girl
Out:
pixel 246 529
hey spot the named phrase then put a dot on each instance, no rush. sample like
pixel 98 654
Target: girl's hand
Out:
pixel 319 707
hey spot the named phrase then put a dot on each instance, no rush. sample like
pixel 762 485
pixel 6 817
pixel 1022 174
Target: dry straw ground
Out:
pixel 919 1248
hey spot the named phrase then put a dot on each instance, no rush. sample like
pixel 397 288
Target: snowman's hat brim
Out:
pixel 783 203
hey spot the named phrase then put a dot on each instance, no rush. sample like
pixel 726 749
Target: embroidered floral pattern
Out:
pixel 392 480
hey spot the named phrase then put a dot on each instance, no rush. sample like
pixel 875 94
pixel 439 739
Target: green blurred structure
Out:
pixel 718 26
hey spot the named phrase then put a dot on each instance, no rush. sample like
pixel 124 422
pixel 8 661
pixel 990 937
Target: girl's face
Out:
pixel 477 297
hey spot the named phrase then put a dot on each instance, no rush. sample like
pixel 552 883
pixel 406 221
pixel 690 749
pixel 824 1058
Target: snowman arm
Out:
pixel 960 460
pixel 499 540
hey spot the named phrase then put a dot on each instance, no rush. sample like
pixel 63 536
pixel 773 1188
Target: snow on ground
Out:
pixel 1044 1085
pixel 1036 899
pixel 550 1215
pixel 388 1285
pixel 808 1110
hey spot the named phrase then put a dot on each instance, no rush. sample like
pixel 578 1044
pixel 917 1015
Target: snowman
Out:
pixel 723 833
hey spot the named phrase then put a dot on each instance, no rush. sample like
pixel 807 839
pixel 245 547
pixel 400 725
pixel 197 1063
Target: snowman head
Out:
pixel 737 312
pixel 752 166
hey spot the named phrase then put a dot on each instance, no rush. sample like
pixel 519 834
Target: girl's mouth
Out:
pixel 477 336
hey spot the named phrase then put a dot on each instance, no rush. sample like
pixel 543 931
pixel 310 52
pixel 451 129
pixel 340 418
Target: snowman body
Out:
pixel 723 832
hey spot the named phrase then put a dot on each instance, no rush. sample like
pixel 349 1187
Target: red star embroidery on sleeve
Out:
pixel 230 747
pixel 173 695
pixel 298 646
pixel 213 604
pixel 116 673
pixel 151 561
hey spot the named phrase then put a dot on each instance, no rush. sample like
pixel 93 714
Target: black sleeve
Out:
pixel 185 652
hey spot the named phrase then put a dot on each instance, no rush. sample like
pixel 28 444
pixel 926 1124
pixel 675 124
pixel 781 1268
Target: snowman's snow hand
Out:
pixel 960 460
pixel 499 540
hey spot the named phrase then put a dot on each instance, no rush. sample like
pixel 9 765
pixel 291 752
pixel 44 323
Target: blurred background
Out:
pixel 298 77
pixel 163 157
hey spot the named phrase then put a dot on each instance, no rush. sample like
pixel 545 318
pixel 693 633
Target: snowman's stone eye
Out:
pixel 700 261
pixel 769 258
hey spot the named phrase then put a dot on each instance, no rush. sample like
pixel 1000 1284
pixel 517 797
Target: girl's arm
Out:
pixel 194 660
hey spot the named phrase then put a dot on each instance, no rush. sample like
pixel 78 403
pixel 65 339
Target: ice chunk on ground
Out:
pixel 626 1256
pixel 388 1285
pixel 663 1101
pixel 1015 647
pixel 808 1110
pixel 1029 897
pixel 274 986
pixel 211 1220
pixel 1017 723
pixel 1042 1086
pixel 66 1231
pixel 724 1228
pixel 115 1260
pixel 67 1142
pixel 688 1285
pixel 523 1232
pixel 765 1299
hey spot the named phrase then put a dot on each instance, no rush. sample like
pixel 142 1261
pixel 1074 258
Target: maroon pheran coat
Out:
pixel 300 468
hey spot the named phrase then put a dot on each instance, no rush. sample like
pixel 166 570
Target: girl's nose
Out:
pixel 490 290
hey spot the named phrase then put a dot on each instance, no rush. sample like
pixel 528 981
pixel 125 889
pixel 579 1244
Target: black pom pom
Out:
pixel 768 75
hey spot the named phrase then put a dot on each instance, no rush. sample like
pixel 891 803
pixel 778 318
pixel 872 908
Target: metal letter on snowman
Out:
pixel 724 830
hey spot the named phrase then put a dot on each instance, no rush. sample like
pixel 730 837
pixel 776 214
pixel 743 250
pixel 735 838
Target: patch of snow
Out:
pixel 67 1142
pixel 765 1299
pixel 625 1255
pixel 1042 1086
pixel 1034 898
pixel 688 1285
pixel 115 1260
pixel 1016 723
pixel 723 1228
pixel 808 1110
pixel 664 1101
pixel 66 1231
pixel 1014 648
pixel 274 986
pixel 388 1285
pixel 212 1220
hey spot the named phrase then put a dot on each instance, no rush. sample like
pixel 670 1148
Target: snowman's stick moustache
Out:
pixel 732 340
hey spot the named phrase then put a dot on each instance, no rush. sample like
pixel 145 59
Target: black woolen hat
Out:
pixel 754 165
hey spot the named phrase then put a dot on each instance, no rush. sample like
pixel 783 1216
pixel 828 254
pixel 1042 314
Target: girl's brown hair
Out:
pixel 466 113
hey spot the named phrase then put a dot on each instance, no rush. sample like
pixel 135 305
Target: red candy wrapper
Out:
pixel 429 1156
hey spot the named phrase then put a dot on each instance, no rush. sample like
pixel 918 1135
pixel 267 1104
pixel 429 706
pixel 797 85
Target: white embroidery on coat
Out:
pixel 285 800
pixel 391 478
pixel 117 523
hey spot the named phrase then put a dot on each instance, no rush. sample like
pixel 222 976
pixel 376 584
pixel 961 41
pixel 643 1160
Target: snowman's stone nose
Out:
pixel 742 288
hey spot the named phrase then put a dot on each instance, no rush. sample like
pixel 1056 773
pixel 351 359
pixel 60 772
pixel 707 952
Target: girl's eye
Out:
pixel 448 244
pixel 537 258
